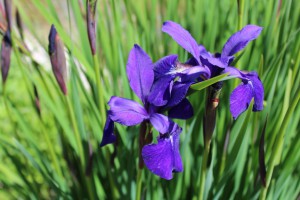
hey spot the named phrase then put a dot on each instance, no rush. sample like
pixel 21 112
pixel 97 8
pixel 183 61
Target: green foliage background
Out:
pixel 41 156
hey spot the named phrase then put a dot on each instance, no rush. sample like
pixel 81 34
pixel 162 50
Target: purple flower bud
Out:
pixel 5 55
pixel 58 59
pixel 91 23
pixel 7 4
pixel 2 19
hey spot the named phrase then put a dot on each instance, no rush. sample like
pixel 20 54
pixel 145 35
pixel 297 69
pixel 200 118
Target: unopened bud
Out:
pixel 212 103
pixel 5 55
pixel 58 59
pixel 91 23
pixel 7 5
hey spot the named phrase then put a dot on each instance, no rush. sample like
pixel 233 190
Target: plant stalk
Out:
pixel 209 123
pixel 76 131
pixel 100 90
pixel 139 181
pixel 203 171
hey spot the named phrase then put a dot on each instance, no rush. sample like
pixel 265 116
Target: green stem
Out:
pixel 139 181
pixel 115 192
pixel 52 151
pixel 278 146
pixel 76 132
pixel 241 6
pixel 100 90
pixel 204 171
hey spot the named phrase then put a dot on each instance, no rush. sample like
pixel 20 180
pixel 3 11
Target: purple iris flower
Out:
pixel 162 158
pixel 173 79
pixel 251 86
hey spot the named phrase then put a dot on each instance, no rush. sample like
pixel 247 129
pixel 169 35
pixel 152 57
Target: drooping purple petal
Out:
pixel 251 79
pixel 233 72
pixel 159 94
pixel 108 133
pixel 183 110
pixel 178 93
pixel 160 122
pixel 240 99
pixel 240 39
pixel 175 133
pixel 165 65
pixel 139 72
pixel 182 37
pixel 258 90
pixel 126 111
pixel 164 157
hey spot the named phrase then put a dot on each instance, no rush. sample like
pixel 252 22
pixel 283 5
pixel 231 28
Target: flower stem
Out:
pixel 139 181
pixel 145 136
pixel 203 171
pixel 241 6
pixel 209 122
pixel 76 131
pixel 100 90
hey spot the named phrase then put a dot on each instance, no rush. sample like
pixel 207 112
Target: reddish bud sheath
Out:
pixel 91 23
pixel 5 55
pixel 7 5
pixel 58 59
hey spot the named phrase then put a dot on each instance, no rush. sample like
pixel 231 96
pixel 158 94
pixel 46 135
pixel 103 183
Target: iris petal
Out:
pixel 240 39
pixel 108 133
pixel 160 122
pixel 165 65
pixel 182 37
pixel 159 94
pixel 252 81
pixel 258 90
pixel 183 110
pixel 178 93
pixel 164 157
pixel 139 72
pixel 126 111
pixel 240 99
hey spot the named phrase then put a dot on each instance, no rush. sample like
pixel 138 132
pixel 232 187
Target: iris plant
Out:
pixel 162 158
pixel 162 87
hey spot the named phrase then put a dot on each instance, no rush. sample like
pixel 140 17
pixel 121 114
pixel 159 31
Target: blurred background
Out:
pixel 49 142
